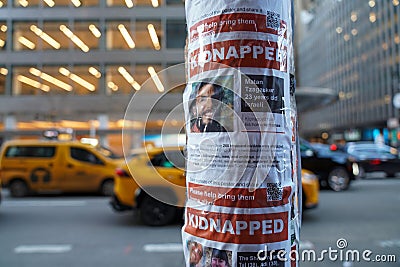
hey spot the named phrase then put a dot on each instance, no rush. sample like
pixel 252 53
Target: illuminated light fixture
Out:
pixel 50 3
pixel 339 30
pixel 3 28
pixel 354 32
pixel 50 79
pixel 129 3
pixel 129 78
pixel 64 71
pixel 94 30
pixel 45 37
pixel 77 79
pixel 26 42
pixel 353 16
pixel 346 37
pixel 397 39
pixel 2 43
pixel 385 46
pixel 112 86
pixel 76 3
pixel 127 36
pixel 372 17
pixel 1 4
pixel 153 36
pixel 75 39
pixel 154 3
pixel 156 79
pixel 396 2
pixel 82 82
pixel 23 3
pixel 3 71
pixel 94 72
pixel 371 3
pixel 33 83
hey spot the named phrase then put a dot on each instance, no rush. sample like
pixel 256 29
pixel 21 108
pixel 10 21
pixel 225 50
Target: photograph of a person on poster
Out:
pixel 195 254
pixel 206 106
pixel 219 258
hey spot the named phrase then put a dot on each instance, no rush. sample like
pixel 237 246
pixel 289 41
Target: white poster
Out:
pixel 242 182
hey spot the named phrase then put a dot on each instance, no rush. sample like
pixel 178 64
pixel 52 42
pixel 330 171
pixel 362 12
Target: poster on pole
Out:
pixel 242 161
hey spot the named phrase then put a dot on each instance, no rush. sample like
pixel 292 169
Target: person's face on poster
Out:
pixel 217 262
pixel 196 252
pixel 205 104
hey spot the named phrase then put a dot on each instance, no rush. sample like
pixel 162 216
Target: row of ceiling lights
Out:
pixel 79 80
pixel 121 123
pixel 78 3
pixel 76 40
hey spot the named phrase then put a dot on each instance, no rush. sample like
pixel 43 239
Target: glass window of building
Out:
pixel 78 80
pixel 132 3
pixel 149 34
pixel 121 80
pixel 25 83
pixel 26 3
pixel 25 38
pixel 32 36
pixel 89 34
pixel 126 79
pixel 143 73
pixel 3 34
pixel 140 35
pixel 120 36
pixel 79 3
pixel 3 78
pixel 53 3
pixel 57 35
pixel 85 79
pixel 176 34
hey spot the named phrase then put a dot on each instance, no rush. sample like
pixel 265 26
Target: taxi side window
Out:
pixel 84 155
pixel 169 159
pixel 160 160
pixel 30 152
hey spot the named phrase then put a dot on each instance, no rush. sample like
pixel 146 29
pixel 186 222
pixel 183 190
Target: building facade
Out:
pixel 352 47
pixel 77 63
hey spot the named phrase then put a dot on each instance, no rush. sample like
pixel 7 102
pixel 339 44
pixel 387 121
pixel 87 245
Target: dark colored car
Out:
pixel 335 169
pixel 373 157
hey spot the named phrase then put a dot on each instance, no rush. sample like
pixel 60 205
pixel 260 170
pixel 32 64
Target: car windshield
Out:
pixel 371 150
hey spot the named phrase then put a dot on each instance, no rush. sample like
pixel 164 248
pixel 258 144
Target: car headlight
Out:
pixel 356 169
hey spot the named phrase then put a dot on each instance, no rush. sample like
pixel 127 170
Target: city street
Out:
pixel 84 231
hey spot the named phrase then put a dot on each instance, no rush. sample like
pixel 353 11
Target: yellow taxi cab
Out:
pixel 157 172
pixel 310 187
pixel 34 166
pixel 160 172
pixel 1 196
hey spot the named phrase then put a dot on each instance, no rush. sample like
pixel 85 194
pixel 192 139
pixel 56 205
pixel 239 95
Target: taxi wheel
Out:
pixel 107 187
pixel 18 188
pixel 338 179
pixel 156 213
